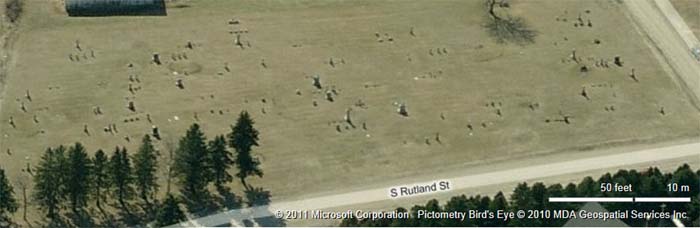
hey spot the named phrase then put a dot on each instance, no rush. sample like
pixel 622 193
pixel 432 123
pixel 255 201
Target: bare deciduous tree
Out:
pixel 508 28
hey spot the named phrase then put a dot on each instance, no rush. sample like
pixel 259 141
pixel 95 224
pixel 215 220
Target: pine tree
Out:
pixel 539 196
pixel 121 178
pixel 242 138
pixel 588 187
pixel 8 203
pixel 145 164
pixel 47 182
pixel 100 178
pixel 169 213
pixel 221 161
pixel 521 199
pixel 456 203
pixel 684 175
pixel 499 202
pixel 78 177
pixel 570 190
pixel 191 166
pixel 433 206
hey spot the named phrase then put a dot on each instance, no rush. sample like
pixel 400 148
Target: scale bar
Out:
pixel 621 199
pixel 591 199
pixel 662 199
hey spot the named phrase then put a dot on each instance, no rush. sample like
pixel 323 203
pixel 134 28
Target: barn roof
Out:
pixel 115 7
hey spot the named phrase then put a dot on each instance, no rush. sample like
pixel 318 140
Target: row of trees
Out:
pixel 198 163
pixel 67 181
pixel 651 182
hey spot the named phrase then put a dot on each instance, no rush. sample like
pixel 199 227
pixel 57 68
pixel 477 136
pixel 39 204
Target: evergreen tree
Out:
pixel 8 203
pixel 242 138
pixel 145 164
pixel 521 199
pixel 570 190
pixel 456 203
pixel 499 202
pixel 589 187
pixel 47 182
pixel 78 177
pixel 191 167
pixel 121 177
pixel 350 222
pixel 684 175
pixel 399 222
pixel 100 178
pixel 169 213
pixel 221 161
pixel 432 205
pixel 556 190
pixel 539 195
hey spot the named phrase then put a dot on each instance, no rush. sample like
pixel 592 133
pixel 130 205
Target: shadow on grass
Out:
pixel 127 217
pixel 258 197
pixel 57 222
pixel 81 219
pixel 227 199
pixel 201 207
pixel 148 210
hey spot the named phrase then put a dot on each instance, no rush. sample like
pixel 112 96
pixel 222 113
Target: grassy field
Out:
pixel 690 11
pixel 301 150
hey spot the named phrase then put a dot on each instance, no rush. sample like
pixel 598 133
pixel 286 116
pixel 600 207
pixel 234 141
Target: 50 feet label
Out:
pixel 420 189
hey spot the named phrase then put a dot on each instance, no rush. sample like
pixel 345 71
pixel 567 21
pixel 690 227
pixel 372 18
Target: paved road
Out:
pixel 686 151
pixel 678 23
pixel 658 20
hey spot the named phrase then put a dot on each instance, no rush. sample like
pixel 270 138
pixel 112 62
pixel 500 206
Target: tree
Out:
pixel 169 213
pixel 221 161
pixel 242 138
pixel 78 177
pixel 145 164
pixel 507 27
pixel 538 193
pixel 684 175
pixel 191 166
pixel 8 203
pixel 120 174
pixel 499 202
pixel 13 9
pixel 521 199
pixel 456 203
pixel 48 182
pixel 588 187
pixel 100 178
pixel 432 206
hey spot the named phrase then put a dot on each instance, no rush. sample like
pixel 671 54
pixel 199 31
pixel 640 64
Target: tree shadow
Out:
pixel 227 199
pixel 147 212
pixel 81 218
pixel 258 197
pixel 56 222
pixel 248 223
pixel 127 217
pixel 108 221
pixel 202 207
pixel 507 28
